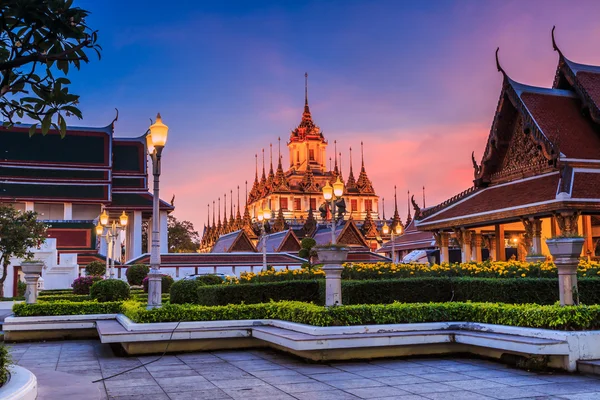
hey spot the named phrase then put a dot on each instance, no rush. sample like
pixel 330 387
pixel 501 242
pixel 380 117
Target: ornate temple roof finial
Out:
pixel 306 88
pixel 554 45
pixel 208 216
pixel 214 225
pixel 225 225
pixel 362 156
pixel 238 216
pixel 231 209
pixel 341 175
pixel 396 218
pixel 383 206
pixel 351 184
pixel 409 217
pixel 498 64
pixel 335 165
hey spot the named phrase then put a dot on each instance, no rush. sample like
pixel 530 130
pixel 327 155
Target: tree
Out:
pixel 20 232
pixel 182 236
pixel 307 250
pixel 38 40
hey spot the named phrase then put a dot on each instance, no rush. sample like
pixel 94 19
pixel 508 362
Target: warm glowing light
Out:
pixel 149 143
pixel 99 229
pixel 385 229
pixel 267 212
pixel 260 216
pixel 398 229
pixel 327 192
pixel 338 187
pixel 123 219
pixel 159 133
pixel 104 218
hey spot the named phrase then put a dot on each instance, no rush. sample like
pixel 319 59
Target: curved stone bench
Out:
pixel 22 385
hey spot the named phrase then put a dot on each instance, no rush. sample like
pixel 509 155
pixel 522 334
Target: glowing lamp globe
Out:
pixel 267 213
pixel 123 219
pixel 99 229
pixel 327 192
pixel 104 218
pixel 338 188
pixel 158 133
pixel 398 229
pixel 149 144
pixel 260 216
pixel 385 229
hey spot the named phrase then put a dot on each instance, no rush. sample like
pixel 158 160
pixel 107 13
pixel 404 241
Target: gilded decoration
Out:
pixel 567 222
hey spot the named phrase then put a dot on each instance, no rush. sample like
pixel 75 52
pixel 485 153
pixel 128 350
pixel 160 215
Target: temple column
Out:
pixel 492 247
pixel 68 211
pixel 477 240
pixel 500 249
pixel 588 246
pixel 466 246
pixel 164 233
pixel 133 239
pixel 444 247
pixel 536 225
pixel 29 206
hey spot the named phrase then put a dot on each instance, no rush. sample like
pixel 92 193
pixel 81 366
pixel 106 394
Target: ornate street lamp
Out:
pixel 397 231
pixel 155 142
pixel 263 217
pixel 112 232
pixel 333 194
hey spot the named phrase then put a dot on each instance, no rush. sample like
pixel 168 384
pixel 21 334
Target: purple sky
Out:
pixel 416 81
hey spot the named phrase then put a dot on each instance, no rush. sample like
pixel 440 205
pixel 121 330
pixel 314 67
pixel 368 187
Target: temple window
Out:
pixel 283 203
pixel 311 154
pixel 368 205
pixel 354 205
pixel 313 204
pixel 297 204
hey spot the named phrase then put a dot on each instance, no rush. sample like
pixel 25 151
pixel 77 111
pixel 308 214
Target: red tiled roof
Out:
pixel 365 256
pixel 586 186
pixel 225 259
pixel 412 239
pixel 514 194
pixel 590 82
pixel 560 118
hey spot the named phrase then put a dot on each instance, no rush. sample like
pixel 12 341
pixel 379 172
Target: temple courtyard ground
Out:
pixel 65 370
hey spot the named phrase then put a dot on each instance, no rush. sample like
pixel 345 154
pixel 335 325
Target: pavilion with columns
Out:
pixel 539 175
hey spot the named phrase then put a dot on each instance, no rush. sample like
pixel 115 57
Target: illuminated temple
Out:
pixel 294 195
pixel 539 175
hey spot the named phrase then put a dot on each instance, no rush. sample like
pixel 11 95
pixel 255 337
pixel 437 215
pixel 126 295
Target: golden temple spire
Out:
pixel 409 217
pixel 214 225
pixel 219 225
pixel 231 220
pixel 396 219
pixel 364 184
pixel 225 223
pixel 351 183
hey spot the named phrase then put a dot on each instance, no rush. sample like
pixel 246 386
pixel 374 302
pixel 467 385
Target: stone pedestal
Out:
pixel 33 272
pixel 154 289
pixel 566 252
pixel 333 258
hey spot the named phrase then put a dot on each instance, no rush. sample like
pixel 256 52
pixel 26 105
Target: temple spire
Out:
pixel 225 225
pixel 214 225
pixel 383 206
pixel 231 209
pixel 423 196
pixel 396 218
pixel 351 183
pixel 364 184
pixel 409 217
pixel 306 88
pixel 238 216
pixel 341 169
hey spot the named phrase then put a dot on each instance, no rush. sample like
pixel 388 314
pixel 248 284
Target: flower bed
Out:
pixel 487 269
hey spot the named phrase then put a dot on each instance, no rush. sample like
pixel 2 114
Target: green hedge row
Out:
pixel 409 290
pixel 67 297
pixel 66 308
pixel 215 295
pixel 525 315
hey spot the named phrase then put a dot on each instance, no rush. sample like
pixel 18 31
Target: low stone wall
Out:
pixel 22 385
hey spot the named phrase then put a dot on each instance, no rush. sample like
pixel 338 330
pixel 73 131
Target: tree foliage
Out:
pixel 20 232
pixel 182 236
pixel 40 40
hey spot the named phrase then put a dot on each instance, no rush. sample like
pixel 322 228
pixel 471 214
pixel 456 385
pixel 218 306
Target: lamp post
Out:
pixel 112 232
pixel 398 231
pixel 156 139
pixel 333 194
pixel 264 216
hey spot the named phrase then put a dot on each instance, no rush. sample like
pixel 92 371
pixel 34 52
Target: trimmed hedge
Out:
pixel 83 284
pixel 307 291
pixel 66 308
pixel 185 291
pixel 95 268
pixel 136 274
pixel 166 281
pixel 109 290
pixel 54 292
pixel 67 297
pixel 525 315
pixel 5 361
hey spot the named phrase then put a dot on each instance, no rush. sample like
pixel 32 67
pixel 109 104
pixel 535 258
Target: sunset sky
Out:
pixel 416 81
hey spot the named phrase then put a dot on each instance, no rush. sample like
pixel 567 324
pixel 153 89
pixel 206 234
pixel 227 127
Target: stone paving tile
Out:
pixel 184 384
pixel 355 383
pixel 333 376
pixel 418 370
pixel 155 396
pixel 285 379
pixel 276 372
pixel 255 365
pixel 510 392
pixel 460 395
pixel 444 376
pixel 372 393
pixel 401 380
pixel 476 384
pixel 314 369
pixel 566 388
pixel 325 395
pixel 238 383
pixel 490 373
pixel 225 374
pixel 568 378
pixel 372 373
pixel 304 387
pixel 582 396
pixel 258 392
pixel 209 394
pixel 133 390
pixel 430 387
pixel 519 381
pixel 235 355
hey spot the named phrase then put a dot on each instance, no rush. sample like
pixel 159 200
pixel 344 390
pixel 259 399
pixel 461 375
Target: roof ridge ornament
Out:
pixel 554 45
pixel 500 69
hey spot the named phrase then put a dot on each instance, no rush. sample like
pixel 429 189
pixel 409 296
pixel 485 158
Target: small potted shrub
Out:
pixel 82 284
pixel 166 283
pixel 95 268
pixel 136 274
pixel 109 290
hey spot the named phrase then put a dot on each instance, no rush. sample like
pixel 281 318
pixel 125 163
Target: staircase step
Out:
pixel 589 366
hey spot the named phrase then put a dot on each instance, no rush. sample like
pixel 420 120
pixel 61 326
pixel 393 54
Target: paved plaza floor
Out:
pixel 65 370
